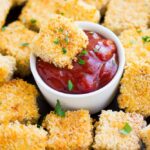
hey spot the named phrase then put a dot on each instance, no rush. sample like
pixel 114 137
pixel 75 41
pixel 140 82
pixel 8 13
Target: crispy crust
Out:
pixel 7 68
pixel 126 14
pixel 15 136
pixel 18 102
pixel 145 136
pixel 74 131
pixel 74 9
pixel 135 89
pixel 45 48
pixel 135 48
pixel 108 136
pixel 11 39
pixel 5 6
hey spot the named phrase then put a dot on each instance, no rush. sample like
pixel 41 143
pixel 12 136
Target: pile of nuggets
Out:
pixel 19 112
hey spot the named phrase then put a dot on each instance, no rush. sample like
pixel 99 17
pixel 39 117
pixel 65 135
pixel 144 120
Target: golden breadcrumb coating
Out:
pixel 7 68
pixel 74 131
pixel 145 136
pixel 18 102
pixel 14 41
pixel 59 41
pixel 16 136
pixel 136 49
pixel 108 136
pixel 33 17
pixel 135 89
pixel 5 6
pixel 126 14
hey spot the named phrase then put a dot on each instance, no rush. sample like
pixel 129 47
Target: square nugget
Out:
pixel 74 131
pixel 5 6
pixel 16 136
pixel 7 68
pixel 18 102
pixel 33 17
pixel 136 45
pixel 108 131
pixel 145 136
pixel 135 89
pixel 126 14
pixel 15 41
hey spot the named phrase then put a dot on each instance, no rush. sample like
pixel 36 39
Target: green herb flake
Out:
pixel 70 85
pixel 66 39
pixel 56 41
pixel 24 44
pixel 126 129
pixel 3 28
pixel 139 30
pixel 58 109
pixel 64 50
pixel 60 30
pixel 84 52
pixel 146 39
pixel 62 13
pixel 33 21
pixel 81 61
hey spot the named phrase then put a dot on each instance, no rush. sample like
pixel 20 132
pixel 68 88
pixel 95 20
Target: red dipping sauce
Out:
pixel 96 66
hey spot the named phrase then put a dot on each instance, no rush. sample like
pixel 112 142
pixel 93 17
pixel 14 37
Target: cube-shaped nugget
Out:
pixel 18 102
pixel 16 136
pixel 74 131
pixel 15 41
pixel 145 136
pixel 7 68
pixel 126 14
pixel 135 89
pixel 118 130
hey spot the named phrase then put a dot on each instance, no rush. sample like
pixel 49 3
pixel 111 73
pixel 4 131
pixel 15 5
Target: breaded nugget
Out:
pixel 59 41
pixel 14 41
pixel 74 131
pixel 136 48
pixel 7 68
pixel 5 6
pixel 145 136
pixel 135 89
pixel 126 14
pixel 108 131
pixel 18 102
pixel 16 136
pixel 33 17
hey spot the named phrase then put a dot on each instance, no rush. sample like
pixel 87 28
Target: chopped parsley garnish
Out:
pixel 33 21
pixel 61 30
pixel 126 129
pixel 81 61
pixel 70 85
pixel 84 52
pixel 24 44
pixel 56 41
pixel 146 38
pixel 58 110
pixel 64 50
pixel 62 13
pixel 3 28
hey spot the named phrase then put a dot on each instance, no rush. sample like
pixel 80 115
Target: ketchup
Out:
pixel 95 67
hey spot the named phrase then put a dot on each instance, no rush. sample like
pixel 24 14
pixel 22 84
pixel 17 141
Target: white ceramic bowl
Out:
pixel 94 101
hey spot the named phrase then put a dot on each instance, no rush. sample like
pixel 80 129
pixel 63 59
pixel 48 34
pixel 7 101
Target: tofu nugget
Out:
pixel 145 136
pixel 16 136
pixel 15 41
pixel 118 131
pixel 135 89
pixel 18 102
pixel 126 14
pixel 136 45
pixel 77 10
pixel 7 68
pixel 5 6
pixel 74 131
pixel 59 41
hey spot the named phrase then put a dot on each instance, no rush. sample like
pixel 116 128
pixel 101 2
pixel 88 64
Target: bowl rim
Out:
pixel 117 75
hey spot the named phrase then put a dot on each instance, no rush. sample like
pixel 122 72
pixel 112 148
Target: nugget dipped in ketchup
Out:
pixel 71 60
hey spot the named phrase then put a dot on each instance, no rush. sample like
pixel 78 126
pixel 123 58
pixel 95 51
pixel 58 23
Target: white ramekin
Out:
pixel 94 101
